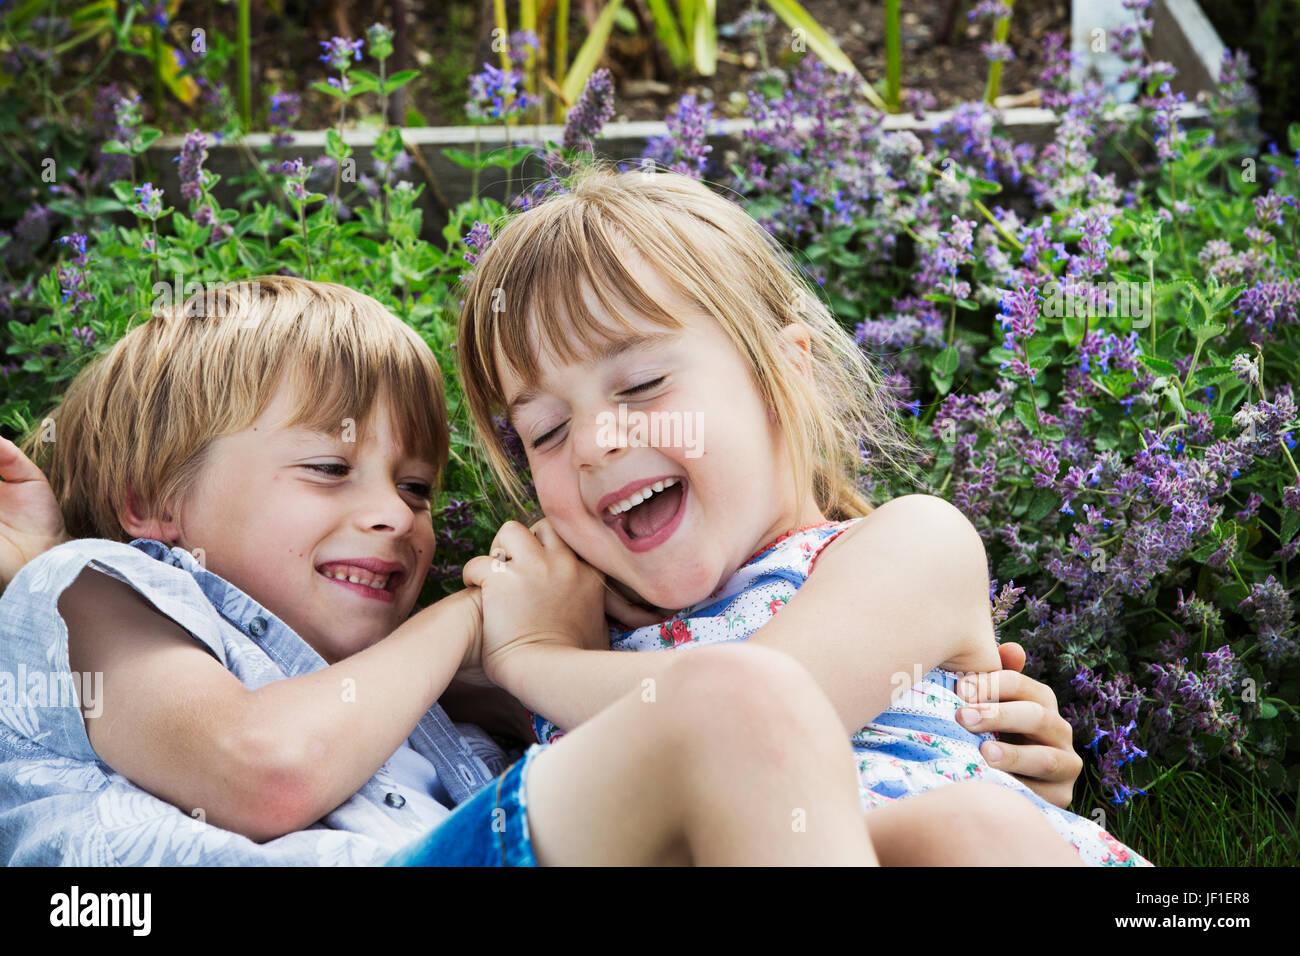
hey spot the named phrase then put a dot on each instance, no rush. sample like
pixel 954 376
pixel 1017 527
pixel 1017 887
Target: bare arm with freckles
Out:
pixel 906 588
pixel 263 762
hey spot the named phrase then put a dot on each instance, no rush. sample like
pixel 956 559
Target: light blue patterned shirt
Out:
pixel 61 804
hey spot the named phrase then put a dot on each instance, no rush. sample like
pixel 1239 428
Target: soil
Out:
pixel 449 40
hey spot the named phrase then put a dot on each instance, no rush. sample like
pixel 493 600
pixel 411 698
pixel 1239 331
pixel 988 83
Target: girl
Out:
pixel 692 420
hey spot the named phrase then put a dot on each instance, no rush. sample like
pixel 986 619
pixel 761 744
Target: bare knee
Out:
pixel 742 690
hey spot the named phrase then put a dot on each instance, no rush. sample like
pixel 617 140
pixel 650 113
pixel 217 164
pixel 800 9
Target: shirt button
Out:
pixel 395 800
pixel 257 626
pixel 466 774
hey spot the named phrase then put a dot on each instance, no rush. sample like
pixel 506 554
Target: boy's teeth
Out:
pixel 378 583
pixel 619 507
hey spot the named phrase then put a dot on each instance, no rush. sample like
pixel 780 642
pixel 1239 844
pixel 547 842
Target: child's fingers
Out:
pixel 624 612
pixel 1005 685
pixel 1039 764
pixel 15 466
pixel 1012 717
pixel 517 541
pixel 1013 656
pixel 476 570
pixel 548 536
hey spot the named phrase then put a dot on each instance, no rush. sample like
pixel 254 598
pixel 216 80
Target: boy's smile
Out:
pixel 333 536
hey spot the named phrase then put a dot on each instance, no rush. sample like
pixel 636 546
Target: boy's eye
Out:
pixel 333 469
pixel 418 488
pixel 643 387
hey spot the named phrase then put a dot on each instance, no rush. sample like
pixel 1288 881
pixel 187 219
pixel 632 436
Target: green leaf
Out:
pixel 328 90
pixel 983 186
pixel 1025 412
pixel 1158 364
pixel 1293 136
pixel 464 158
pixel 1266 710
pixel 145 138
pixel 399 80
pixel 335 148
pixel 947 361
pixel 113 146
pixel 508 158
pixel 1290 524
pixel 1041 505
pixel 589 54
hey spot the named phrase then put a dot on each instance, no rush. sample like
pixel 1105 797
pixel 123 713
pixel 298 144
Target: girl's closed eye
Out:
pixel 634 390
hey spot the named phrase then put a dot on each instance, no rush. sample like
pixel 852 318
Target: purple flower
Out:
pixel 340 52
pixel 519 45
pixel 594 108
pixel 150 204
pixel 684 148
pixel 495 94
pixel 193 153
pixel 479 239
pixel 285 108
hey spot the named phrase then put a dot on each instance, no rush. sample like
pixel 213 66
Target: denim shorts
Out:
pixel 488 829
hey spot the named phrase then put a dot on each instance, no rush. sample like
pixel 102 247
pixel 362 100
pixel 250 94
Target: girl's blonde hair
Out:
pixel 712 253
pixel 143 415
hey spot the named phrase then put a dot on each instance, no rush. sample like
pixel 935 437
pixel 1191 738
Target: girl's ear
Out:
pixel 797 342
pixel 135 523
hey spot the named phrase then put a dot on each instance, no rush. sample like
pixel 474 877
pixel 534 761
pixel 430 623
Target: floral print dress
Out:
pixel 914 746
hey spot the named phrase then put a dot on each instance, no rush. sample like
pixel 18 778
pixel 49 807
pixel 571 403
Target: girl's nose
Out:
pixel 595 438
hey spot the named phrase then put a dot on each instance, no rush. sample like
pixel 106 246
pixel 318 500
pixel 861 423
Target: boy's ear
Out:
pixel 797 342
pixel 138 525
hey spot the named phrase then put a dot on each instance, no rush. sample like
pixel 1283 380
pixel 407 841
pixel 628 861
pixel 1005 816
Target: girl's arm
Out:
pixel 262 762
pixel 903 591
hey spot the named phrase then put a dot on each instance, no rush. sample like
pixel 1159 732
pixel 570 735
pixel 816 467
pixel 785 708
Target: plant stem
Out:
pixel 893 57
pixel 155 44
pixel 245 72
pixel 1000 31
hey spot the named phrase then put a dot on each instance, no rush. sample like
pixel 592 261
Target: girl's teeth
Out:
pixel 640 496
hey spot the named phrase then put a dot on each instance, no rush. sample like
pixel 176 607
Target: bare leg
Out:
pixel 967 824
pixel 739 758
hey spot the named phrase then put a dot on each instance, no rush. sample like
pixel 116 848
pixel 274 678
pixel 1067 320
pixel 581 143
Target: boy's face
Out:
pixel 288 515
pixel 704 424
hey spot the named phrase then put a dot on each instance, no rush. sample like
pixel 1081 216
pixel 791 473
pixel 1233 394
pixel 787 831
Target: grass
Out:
pixel 1218 817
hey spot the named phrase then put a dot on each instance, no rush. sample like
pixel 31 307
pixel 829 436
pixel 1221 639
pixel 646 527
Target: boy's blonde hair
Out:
pixel 712 253
pixel 143 415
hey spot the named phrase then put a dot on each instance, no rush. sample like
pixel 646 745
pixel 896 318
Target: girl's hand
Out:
pixel 30 520
pixel 626 610
pixel 535 591
pixel 471 666
pixel 1035 743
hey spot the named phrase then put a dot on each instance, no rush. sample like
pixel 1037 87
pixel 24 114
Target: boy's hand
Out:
pixel 1035 743
pixel 30 520
pixel 536 591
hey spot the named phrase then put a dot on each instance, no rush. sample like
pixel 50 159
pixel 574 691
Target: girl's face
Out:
pixel 690 417
pixel 288 515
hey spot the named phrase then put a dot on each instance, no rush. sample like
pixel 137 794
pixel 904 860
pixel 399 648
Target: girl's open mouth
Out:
pixel 652 522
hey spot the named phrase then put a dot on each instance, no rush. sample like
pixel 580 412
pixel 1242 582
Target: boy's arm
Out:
pixel 903 592
pixel 30 520
pixel 262 762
